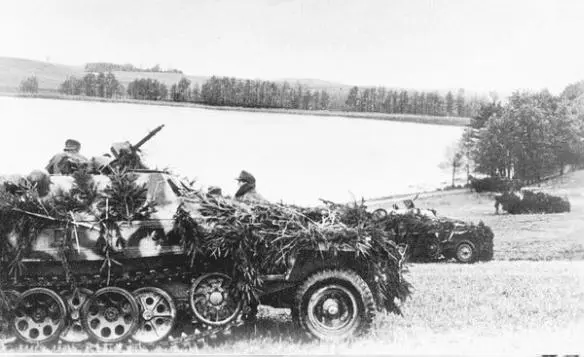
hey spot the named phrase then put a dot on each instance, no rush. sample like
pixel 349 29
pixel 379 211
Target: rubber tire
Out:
pixel 463 260
pixel 379 214
pixel 366 306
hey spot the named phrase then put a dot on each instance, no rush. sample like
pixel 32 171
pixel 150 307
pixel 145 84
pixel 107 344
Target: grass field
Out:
pixel 529 300
pixel 486 308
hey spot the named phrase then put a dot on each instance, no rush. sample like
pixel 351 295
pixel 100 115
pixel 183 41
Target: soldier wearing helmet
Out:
pixel 247 189
pixel 68 161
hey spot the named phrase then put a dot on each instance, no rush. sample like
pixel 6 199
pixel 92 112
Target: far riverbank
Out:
pixel 407 118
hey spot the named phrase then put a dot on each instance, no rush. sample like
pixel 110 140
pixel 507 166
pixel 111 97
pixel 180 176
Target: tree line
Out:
pixel 385 100
pixel 229 91
pixel 531 136
pixel 147 89
pixel 104 85
pixel 224 91
pixel 111 67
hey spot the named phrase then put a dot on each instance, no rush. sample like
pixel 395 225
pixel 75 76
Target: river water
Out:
pixel 295 158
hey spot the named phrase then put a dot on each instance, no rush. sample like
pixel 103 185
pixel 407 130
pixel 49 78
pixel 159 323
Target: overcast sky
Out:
pixel 422 44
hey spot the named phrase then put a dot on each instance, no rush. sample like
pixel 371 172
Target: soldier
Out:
pixel 101 164
pixel 126 156
pixel 68 161
pixel 247 189
pixel 498 203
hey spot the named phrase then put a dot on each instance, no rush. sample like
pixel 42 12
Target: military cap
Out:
pixel 246 177
pixel 72 145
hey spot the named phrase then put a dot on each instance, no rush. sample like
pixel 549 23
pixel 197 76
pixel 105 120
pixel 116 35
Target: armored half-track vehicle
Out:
pixel 112 251
pixel 145 289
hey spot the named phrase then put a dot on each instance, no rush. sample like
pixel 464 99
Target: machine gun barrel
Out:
pixel 147 137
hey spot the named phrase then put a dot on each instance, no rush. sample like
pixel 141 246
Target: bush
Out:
pixel 532 202
pixel 493 184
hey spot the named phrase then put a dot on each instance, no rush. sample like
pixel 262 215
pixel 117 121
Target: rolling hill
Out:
pixel 50 75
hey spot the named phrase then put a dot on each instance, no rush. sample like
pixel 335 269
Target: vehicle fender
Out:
pixel 309 262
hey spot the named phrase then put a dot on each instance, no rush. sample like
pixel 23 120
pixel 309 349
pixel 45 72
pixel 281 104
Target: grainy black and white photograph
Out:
pixel 277 177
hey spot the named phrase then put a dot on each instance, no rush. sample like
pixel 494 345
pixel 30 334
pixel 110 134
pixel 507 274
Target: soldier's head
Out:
pixel 41 180
pixel 245 177
pixel 72 145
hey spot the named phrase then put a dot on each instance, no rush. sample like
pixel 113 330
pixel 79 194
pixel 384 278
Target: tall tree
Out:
pixel 533 136
pixel 353 98
pixel 112 86
pixel 100 86
pixel 460 105
pixel 29 85
pixel 324 100
pixel 90 85
pixel 449 101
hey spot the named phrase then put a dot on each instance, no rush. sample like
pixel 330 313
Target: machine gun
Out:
pixel 145 139
pixel 127 155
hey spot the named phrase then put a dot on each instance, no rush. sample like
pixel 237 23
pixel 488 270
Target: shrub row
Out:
pixel 532 202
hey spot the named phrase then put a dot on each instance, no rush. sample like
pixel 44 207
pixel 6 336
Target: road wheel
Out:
pixel 334 305
pixel 157 314
pixel 465 252
pixel 39 316
pixel 212 301
pixel 111 315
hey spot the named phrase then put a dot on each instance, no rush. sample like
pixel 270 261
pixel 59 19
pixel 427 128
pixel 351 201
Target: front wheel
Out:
pixel 465 252
pixel 334 305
